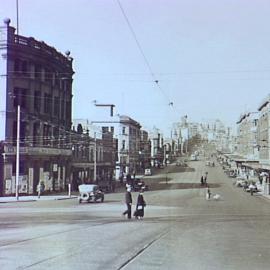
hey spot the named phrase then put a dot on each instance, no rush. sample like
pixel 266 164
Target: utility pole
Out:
pixel 164 155
pixel 18 153
pixel 95 157
pixel 17 14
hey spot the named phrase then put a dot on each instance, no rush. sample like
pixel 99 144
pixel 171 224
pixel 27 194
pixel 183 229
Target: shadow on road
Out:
pixel 160 184
pixel 180 169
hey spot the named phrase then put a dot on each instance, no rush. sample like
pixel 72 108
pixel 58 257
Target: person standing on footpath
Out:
pixel 139 213
pixel 128 199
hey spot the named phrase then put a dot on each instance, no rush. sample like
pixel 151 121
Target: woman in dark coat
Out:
pixel 139 213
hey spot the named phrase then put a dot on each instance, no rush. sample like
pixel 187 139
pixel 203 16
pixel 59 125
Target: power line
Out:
pixel 141 49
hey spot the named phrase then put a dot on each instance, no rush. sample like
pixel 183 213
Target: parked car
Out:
pixel 232 174
pixel 147 172
pixel 240 183
pixel 139 185
pixel 181 163
pixel 193 157
pixel 90 193
pixel 250 187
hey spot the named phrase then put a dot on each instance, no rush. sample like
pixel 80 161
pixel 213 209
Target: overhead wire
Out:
pixel 155 79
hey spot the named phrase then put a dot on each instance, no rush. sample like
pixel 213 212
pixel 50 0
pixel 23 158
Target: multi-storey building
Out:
pixel 128 144
pixel 157 150
pixel 247 135
pixel 93 158
pixel 94 152
pixel 145 152
pixel 36 98
pixel 264 132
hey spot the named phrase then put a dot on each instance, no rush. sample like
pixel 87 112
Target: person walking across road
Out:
pixel 139 212
pixel 205 178
pixel 202 180
pixel 208 193
pixel 128 200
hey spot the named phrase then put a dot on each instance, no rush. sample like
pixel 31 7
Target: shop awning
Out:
pixel 254 165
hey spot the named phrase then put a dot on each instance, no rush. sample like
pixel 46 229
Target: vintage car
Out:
pixel 90 193
pixel 139 185
pixel 181 163
pixel 147 172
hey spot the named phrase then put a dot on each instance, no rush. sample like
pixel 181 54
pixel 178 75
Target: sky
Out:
pixel 210 58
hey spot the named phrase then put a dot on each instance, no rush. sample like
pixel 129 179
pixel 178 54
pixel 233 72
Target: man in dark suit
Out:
pixel 128 199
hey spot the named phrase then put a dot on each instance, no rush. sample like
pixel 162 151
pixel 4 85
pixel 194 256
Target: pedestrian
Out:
pixel 205 180
pixel 40 188
pixel 208 193
pixel 121 178
pixel 139 212
pixel 202 180
pixel 128 200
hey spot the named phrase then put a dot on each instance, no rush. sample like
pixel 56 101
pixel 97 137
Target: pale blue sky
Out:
pixel 211 58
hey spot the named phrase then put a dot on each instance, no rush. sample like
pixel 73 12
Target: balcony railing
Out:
pixel 43 47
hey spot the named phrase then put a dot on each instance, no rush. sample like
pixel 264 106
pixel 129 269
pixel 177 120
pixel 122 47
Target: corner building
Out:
pixel 38 79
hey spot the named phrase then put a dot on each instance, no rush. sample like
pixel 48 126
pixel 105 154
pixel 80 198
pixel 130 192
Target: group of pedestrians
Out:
pixel 204 179
pixel 204 183
pixel 139 211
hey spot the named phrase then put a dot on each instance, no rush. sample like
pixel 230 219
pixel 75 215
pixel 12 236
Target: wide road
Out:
pixel 181 229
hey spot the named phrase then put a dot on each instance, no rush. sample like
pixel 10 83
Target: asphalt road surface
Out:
pixel 180 230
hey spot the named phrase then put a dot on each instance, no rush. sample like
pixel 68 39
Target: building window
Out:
pixel 22 167
pixel 62 109
pixel 25 68
pixel 37 101
pixel 123 145
pixel 16 65
pixel 47 166
pixel 68 111
pixel 37 71
pixel 47 103
pixel 20 97
pixel 55 136
pixel 46 134
pixel 92 155
pixel 56 106
pixel 123 130
pixel 36 133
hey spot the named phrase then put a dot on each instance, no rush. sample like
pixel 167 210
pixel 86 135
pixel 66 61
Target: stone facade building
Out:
pixel 37 79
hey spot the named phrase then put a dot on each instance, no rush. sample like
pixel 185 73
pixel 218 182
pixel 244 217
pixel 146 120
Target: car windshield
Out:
pixel 87 188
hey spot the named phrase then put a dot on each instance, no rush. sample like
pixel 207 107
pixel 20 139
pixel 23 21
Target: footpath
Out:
pixel 35 198
pixel 65 196
pixel 62 196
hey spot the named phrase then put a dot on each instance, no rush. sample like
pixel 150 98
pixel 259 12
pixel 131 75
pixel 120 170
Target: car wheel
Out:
pixel 85 196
